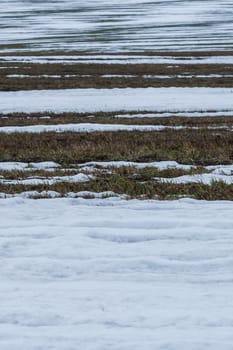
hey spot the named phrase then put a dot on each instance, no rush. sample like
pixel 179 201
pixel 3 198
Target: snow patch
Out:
pixel 129 99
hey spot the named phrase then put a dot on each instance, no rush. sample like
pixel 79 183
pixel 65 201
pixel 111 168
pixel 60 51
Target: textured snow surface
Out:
pixel 117 59
pixel 177 114
pixel 117 164
pixel 10 166
pixel 146 76
pixel 199 178
pixel 117 25
pixel 84 127
pixel 114 274
pixel 92 100
pixel 47 180
pixel 95 127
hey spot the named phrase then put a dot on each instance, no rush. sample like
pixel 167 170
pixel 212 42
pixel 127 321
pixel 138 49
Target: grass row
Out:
pixel 41 83
pixel 94 72
pixel 22 119
pixel 130 172
pixel 188 146
pixel 133 189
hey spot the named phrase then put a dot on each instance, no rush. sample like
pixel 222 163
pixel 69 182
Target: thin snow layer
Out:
pixel 179 76
pixel 47 180
pixel 11 166
pixel 21 166
pixel 218 172
pixel 31 194
pixel 177 114
pixel 91 194
pixel 105 25
pixel 55 194
pixel 95 127
pixel 92 100
pixel 113 274
pixel 221 169
pixel 117 59
pixel 83 127
pixel 206 179
pixel 117 164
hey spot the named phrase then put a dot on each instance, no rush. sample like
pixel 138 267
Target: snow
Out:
pixel 100 274
pixel 83 127
pixel 91 194
pixel 117 164
pixel 129 99
pixel 31 194
pixel 126 76
pixel 43 165
pixel 95 127
pixel 47 180
pixel 100 25
pixel 117 59
pixel 161 165
pixel 206 179
pixel 55 194
pixel 177 114
pixel 221 169
pixel 11 166
pixel 114 274
pixel 38 76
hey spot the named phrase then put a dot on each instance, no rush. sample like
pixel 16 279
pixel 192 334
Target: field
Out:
pixel 116 175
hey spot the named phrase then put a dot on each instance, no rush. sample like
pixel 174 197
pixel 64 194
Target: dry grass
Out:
pixel 96 80
pixel 188 146
pixel 134 189
pixel 200 147
pixel 24 119
pixel 22 174
pixel 129 172
pixel 14 84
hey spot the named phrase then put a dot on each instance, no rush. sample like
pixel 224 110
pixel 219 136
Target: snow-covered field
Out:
pixel 113 274
pixel 86 266
pixel 117 25
pixel 129 99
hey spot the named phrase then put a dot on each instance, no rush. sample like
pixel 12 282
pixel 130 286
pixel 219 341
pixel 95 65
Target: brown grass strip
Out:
pixel 21 119
pixel 201 147
pixel 94 75
pixel 121 185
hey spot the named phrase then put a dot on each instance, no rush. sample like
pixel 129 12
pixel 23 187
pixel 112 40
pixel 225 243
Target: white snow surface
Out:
pixel 47 180
pixel 103 25
pixel 130 99
pixel 83 127
pixel 146 76
pixel 166 164
pixel 114 274
pixel 10 166
pixel 177 114
pixel 199 178
pixel 118 59
pixel 221 169
pixel 95 127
